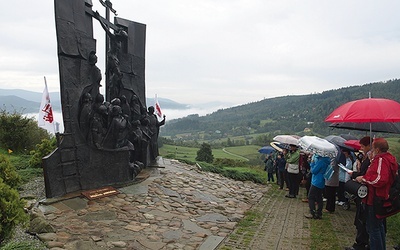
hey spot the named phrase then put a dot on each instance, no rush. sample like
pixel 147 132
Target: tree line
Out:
pixel 286 114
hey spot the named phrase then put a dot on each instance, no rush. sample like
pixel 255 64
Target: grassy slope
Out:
pixel 188 153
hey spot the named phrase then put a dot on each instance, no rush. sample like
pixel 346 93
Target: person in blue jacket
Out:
pixel 318 167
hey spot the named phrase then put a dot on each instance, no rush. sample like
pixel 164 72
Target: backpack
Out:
pixel 388 207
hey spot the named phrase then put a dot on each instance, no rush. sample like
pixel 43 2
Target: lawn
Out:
pixel 234 153
pixel 249 151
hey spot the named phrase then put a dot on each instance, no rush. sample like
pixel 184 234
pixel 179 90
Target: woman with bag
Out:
pixel 378 178
pixel 292 167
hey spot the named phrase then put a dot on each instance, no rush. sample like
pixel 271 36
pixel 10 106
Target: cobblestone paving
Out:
pixel 183 208
pixel 180 208
pixel 282 226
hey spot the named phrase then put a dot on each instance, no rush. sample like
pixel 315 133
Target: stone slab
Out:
pixel 211 242
pixel 75 203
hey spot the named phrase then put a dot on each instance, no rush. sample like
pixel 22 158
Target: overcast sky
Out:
pixel 235 51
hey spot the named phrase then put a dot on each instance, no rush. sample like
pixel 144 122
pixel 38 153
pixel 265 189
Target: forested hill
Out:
pixel 287 114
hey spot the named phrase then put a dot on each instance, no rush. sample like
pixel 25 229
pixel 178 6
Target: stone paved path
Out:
pixel 179 207
pixel 282 226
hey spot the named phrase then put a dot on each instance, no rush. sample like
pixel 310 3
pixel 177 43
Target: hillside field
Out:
pixel 249 152
pixel 189 153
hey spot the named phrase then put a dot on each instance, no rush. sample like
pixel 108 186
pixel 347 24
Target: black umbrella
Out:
pixel 338 141
pixel 384 127
pixel 348 137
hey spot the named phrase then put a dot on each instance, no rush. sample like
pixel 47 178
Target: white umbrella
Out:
pixel 287 139
pixel 279 146
pixel 318 146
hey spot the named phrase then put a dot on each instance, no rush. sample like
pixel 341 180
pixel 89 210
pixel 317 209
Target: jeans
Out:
pixel 376 230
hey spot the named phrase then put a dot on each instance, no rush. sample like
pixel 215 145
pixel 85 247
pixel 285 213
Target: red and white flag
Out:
pixel 157 108
pixel 46 118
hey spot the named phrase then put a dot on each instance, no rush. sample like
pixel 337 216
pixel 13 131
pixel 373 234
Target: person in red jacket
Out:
pixel 378 178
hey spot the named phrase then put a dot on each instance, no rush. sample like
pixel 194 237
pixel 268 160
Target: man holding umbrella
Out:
pixel 378 178
pixel 362 239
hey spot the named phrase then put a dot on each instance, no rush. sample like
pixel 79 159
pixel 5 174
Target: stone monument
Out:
pixel 106 139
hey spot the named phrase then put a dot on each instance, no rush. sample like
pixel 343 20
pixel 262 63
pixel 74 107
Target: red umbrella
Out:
pixel 353 143
pixel 367 111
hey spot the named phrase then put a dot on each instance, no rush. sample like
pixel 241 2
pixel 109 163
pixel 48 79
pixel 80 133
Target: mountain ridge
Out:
pixel 285 114
pixel 25 101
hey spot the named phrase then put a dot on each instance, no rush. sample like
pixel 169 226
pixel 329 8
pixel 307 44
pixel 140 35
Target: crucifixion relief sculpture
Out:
pixel 108 139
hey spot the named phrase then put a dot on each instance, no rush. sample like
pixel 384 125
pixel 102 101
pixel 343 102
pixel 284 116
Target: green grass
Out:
pixel 24 245
pixel 394 147
pixel 393 228
pixel 249 151
pixel 28 173
pixel 188 153
pixel 20 162
pixel 250 218
pixel 263 122
pixel 178 152
pixel 322 234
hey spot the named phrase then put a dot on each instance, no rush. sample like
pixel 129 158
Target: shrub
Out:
pixel 189 162
pixel 44 148
pixel 11 211
pixel 211 168
pixel 8 173
pixel 11 207
pixel 19 133
pixel 23 245
pixel 229 162
pixel 233 173
pixel 205 153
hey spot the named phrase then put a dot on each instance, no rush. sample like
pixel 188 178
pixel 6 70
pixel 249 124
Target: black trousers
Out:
pixel 315 196
pixel 362 237
pixel 308 183
pixel 340 192
pixel 330 195
pixel 293 184
pixel 282 179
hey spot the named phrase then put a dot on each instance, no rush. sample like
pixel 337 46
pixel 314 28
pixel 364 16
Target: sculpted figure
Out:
pixel 118 130
pixel 113 69
pixel 154 127
pixel 85 114
pixel 94 76
pixel 98 101
pixel 136 108
pixel 98 126
pixel 126 110
pixel 136 137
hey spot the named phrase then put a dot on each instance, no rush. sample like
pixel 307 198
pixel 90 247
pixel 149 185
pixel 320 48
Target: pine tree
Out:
pixel 205 153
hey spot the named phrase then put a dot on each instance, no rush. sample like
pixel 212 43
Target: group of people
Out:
pixel 120 123
pixel 290 166
pixel 325 181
